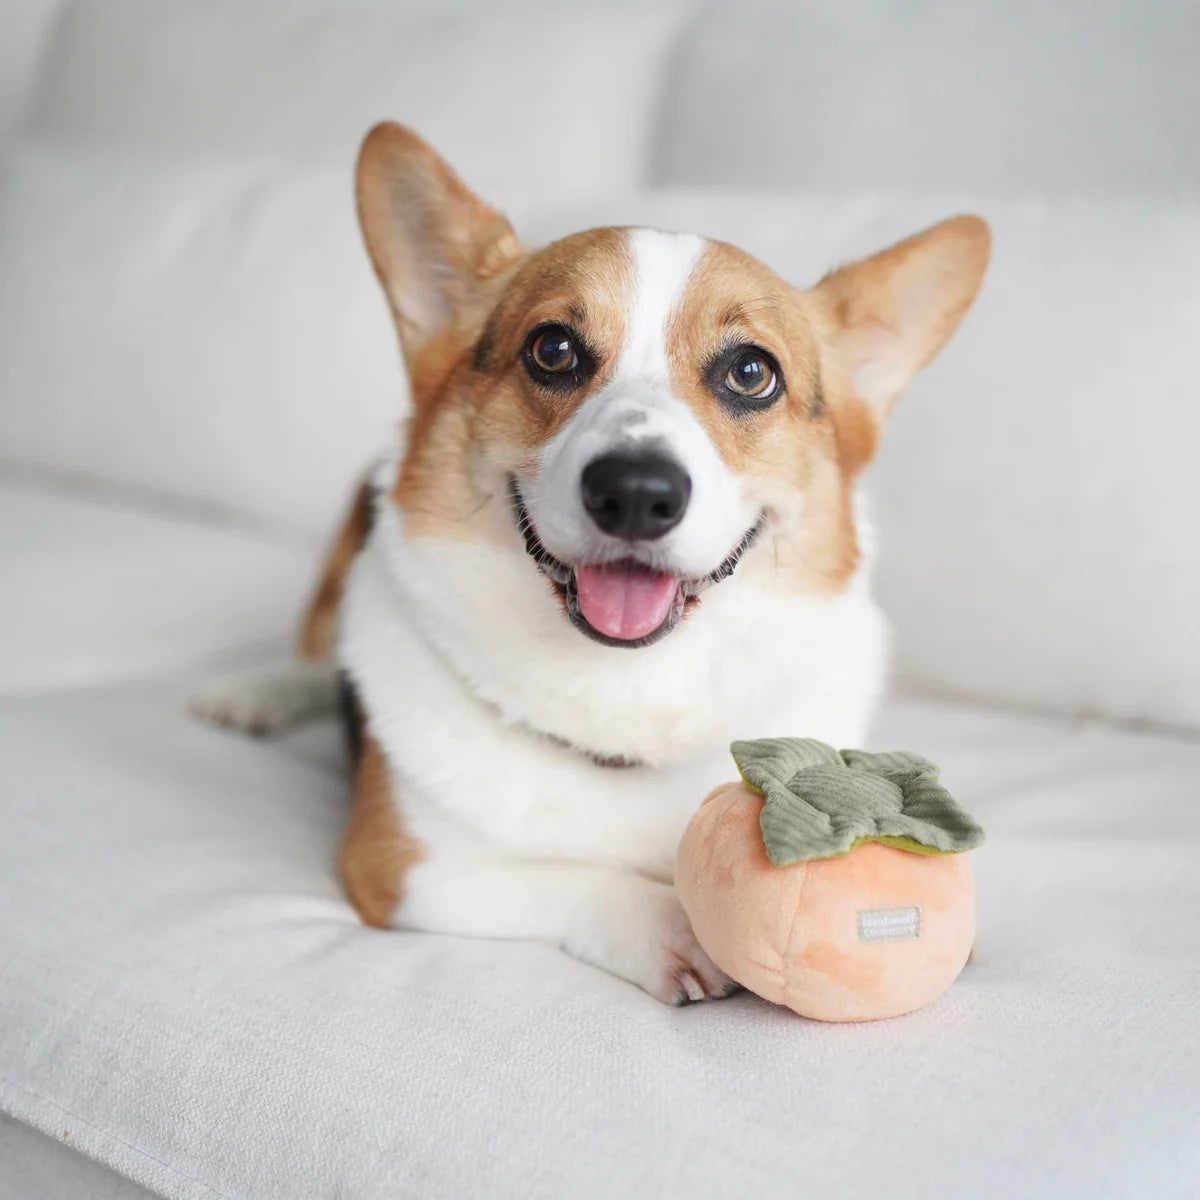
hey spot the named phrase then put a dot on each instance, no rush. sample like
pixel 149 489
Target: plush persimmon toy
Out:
pixel 832 882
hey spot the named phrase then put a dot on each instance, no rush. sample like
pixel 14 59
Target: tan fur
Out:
pixel 461 410
pixel 477 417
pixel 791 446
pixel 430 238
pixel 465 294
pixel 318 631
pixel 376 851
pixel 883 318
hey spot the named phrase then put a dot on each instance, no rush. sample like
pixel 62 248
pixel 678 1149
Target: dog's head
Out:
pixel 638 412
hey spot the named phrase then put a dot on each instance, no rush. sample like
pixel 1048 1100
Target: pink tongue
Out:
pixel 625 602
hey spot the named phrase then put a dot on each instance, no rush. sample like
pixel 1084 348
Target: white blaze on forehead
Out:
pixel 637 406
pixel 662 265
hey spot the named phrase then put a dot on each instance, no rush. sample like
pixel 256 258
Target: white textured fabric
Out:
pixel 183 986
pixel 95 590
pixel 1036 493
pixel 536 99
pixel 209 329
pixel 1013 97
pixel 34 1166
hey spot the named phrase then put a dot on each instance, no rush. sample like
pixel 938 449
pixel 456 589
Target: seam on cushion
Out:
pixel 80 1160
pixel 10 1110
pixel 155 502
pixel 912 686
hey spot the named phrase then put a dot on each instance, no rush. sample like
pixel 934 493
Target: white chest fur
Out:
pixel 472 679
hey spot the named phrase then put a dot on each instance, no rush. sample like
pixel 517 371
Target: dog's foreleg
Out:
pixel 614 919
pixel 267 704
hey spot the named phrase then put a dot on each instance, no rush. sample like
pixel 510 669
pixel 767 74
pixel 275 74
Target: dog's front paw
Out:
pixel 269 704
pixel 646 938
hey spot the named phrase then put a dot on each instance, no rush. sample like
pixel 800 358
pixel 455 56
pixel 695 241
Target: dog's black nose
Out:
pixel 636 497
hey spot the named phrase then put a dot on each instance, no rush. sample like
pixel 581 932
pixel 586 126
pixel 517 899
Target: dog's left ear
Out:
pixel 886 316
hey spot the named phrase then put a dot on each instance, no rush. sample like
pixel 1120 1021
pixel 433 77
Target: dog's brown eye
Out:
pixel 746 379
pixel 553 351
pixel 557 358
pixel 751 374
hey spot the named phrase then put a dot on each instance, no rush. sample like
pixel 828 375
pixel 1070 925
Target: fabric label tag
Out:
pixel 889 924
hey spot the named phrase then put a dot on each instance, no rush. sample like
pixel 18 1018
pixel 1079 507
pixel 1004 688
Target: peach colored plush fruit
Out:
pixel 795 934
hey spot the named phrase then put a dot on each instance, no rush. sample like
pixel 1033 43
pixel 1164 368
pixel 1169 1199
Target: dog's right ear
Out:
pixel 430 238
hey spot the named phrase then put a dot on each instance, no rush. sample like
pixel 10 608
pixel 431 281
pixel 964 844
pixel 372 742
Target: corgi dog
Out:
pixel 623 530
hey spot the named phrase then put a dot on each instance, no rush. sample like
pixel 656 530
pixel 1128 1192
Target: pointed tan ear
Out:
pixel 430 238
pixel 886 316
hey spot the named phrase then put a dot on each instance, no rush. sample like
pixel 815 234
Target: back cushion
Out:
pixel 24 25
pixel 206 329
pixel 185 303
pixel 1004 97
pixel 1037 495
pixel 533 98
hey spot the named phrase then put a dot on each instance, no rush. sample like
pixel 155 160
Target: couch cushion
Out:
pixel 24 27
pixel 34 1166
pixel 1037 492
pixel 526 97
pixel 227 343
pixel 1079 96
pixel 184 988
pixel 98 588
pixel 208 329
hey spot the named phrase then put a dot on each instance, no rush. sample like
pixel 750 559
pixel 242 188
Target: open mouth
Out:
pixel 623 602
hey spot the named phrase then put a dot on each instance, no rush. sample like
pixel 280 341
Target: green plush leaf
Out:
pixel 889 762
pixel 768 761
pixel 820 803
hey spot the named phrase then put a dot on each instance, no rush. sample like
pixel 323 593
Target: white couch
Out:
pixel 193 363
